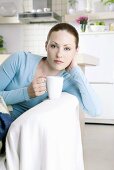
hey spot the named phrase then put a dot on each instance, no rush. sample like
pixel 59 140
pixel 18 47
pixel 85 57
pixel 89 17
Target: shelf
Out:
pixel 96 33
pixel 9 20
pixel 91 16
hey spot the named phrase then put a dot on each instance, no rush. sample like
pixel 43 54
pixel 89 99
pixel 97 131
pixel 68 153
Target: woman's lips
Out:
pixel 58 61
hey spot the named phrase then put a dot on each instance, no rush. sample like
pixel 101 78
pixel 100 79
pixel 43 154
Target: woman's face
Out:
pixel 61 48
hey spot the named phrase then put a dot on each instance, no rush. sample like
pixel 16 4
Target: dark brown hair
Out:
pixel 65 26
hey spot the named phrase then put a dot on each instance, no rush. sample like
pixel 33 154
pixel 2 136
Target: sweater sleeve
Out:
pixel 89 100
pixel 8 71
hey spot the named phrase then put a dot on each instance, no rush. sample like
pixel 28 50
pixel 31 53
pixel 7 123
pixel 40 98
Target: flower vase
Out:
pixel 83 27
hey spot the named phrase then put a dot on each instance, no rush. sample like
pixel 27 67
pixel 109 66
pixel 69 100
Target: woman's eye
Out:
pixel 53 46
pixel 67 49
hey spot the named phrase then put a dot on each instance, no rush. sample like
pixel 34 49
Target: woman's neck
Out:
pixel 45 68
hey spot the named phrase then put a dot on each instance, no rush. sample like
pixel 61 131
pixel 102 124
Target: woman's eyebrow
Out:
pixel 58 44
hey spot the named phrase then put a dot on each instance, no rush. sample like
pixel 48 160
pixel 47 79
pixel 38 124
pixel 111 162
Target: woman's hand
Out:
pixel 72 64
pixel 37 87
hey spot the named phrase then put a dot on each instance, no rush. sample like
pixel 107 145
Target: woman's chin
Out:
pixel 59 68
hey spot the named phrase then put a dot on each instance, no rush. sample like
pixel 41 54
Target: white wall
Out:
pixel 13 37
pixel 34 37
pixel 29 37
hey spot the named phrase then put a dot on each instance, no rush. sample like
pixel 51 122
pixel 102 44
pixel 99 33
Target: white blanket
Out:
pixel 47 137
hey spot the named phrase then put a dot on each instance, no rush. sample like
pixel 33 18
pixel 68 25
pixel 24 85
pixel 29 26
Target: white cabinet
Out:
pixel 106 95
pixel 101 76
pixel 102 47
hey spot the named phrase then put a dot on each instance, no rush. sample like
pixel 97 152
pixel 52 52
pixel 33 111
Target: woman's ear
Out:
pixel 46 45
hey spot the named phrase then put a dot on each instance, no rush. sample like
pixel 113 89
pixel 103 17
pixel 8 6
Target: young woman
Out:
pixel 23 86
pixel 23 75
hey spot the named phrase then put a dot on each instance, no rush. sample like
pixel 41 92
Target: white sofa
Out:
pixel 47 137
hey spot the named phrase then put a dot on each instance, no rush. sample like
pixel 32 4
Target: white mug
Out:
pixel 54 86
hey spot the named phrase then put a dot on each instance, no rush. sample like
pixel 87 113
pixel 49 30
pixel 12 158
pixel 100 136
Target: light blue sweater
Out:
pixel 17 72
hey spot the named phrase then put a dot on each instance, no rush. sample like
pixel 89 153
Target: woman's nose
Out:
pixel 59 53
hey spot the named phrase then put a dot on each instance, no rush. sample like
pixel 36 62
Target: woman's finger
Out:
pixel 40 80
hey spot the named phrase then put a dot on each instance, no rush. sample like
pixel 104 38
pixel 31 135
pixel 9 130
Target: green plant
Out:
pixel 106 2
pixel 98 23
pixel 72 2
pixel 1 41
pixel 2 49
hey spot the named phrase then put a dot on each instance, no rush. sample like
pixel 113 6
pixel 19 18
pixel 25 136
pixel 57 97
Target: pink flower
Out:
pixel 82 20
